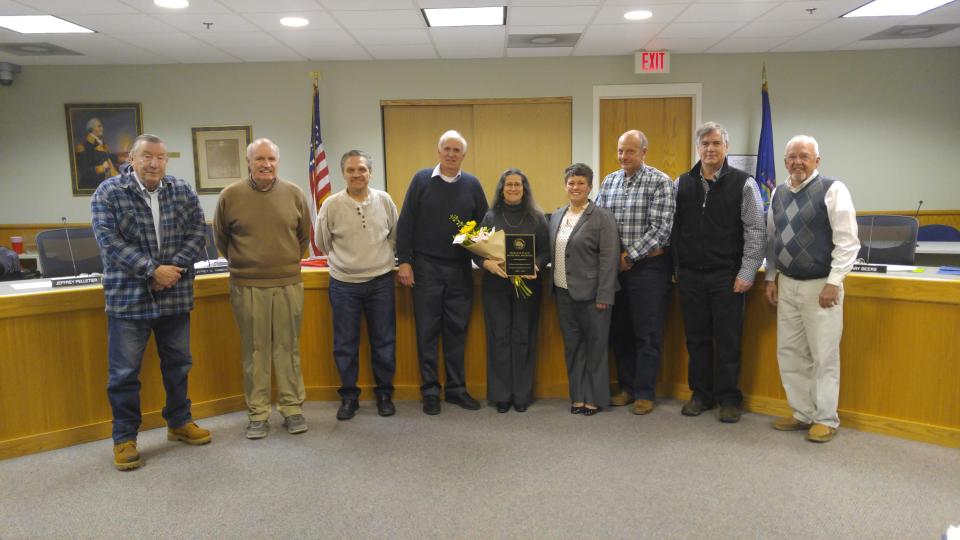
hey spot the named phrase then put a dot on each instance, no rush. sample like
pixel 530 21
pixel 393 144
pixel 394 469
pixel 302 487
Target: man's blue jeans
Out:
pixel 375 299
pixel 127 340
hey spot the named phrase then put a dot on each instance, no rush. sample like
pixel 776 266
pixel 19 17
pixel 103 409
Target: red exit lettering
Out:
pixel 652 61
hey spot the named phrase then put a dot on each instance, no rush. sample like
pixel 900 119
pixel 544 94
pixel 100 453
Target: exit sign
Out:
pixel 652 61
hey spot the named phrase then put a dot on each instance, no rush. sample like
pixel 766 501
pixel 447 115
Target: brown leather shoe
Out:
pixel 789 423
pixel 621 399
pixel 643 406
pixel 189 433
pixel 820 433
pixel 125 456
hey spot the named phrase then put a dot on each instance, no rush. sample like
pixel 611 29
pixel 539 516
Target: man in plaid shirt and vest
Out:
pixel 150 230
pixel 642 201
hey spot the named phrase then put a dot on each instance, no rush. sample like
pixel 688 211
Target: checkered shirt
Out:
pixel 123 227
pixel 643 205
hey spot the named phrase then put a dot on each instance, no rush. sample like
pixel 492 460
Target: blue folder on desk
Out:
pixel 949 270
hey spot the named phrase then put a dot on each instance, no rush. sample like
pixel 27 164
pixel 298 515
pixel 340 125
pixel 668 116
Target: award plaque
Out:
pixel 520 253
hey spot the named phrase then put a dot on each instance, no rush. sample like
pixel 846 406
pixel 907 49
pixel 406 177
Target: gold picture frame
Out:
pixel 100 136
pixel 219 156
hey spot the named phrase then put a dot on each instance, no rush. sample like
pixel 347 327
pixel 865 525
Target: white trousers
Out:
pixel 808 350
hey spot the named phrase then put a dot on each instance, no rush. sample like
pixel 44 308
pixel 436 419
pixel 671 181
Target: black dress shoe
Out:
pixel 503 406
pixel 464 400
pixel 574 409
pixel 521 407
pixel 385 405
pixel 587 411
pixel 431 404
pixel 348 408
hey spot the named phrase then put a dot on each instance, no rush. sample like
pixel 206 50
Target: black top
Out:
pixel 513 219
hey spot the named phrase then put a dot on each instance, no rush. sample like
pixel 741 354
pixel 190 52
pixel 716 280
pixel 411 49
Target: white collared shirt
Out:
pixel 447 179
pixel 153 201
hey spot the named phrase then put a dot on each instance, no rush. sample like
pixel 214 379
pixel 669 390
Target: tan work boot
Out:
pixel 643 406
pixel 621 399
pixel 189 433
pixel 125 456
pixel 789 423
pixel 821 433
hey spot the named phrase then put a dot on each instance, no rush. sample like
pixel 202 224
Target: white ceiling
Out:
pixel 137 32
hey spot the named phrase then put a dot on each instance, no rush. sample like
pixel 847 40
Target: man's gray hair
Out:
pixel 91 122
pixel 709 128
pixel 452 134
pixel 638 134
pixel 142 140
pixel 357 153
pixel 258 142
pixel 804 139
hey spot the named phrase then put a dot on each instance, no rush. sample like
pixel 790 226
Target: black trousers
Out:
pixel 442 299
pixel 636 332
pixel 713 322
pixel 512 328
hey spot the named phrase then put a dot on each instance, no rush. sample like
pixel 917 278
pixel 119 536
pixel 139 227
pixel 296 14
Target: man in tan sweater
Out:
pixel 262 226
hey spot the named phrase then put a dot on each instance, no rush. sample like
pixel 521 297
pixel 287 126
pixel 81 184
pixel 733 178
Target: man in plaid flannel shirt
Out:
pixel 150 229
pixel 642 201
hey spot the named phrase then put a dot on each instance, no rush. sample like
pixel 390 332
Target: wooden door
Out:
pixel 667 123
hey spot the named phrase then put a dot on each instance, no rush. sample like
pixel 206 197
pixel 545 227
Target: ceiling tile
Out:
pixel 725 12
pixel 766 29
pixel 948 14
pixel 559 29
pixel 111 50
pixel 615 39
pixel 122 23
pixel 402 52
pixel 181 47
pixel 486 41
pixel 196 7
pixel 237 39
pixel 222 22
pixel 8 8
pixel 525 3
pixel 747 45
pixel 351 52
pixel 464 3
pixel 74 7
pixel 399 36
pixel 876 44
pixel 540 16
pixel 300 39
pixel 823 10
pixel 539 52
pixel 274 53
pixel 682 45
pixel 367 5
pixel 661 14
pixel 406 18
pixel 698 30
pixel 273 6
pixel 319 20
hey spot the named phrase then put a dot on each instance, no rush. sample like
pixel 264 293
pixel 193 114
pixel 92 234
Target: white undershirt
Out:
pixel 447 179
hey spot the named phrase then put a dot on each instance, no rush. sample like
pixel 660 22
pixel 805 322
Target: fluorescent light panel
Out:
pixel 890 8
pixel 171 4
pixel 480 16
pixel 41 24
pixel 294 22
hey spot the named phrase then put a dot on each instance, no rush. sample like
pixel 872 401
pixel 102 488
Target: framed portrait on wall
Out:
pixel 100 136
pixel 219 156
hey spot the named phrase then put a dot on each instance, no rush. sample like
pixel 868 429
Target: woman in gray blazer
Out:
pixel 585 250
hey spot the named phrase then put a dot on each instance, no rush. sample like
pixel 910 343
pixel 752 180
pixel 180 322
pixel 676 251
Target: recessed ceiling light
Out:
pixel 41 24
pixel 637 15
pixel 543 40
pixel 171 4
pixel 889 8
pixel 482 16
pixel 294 22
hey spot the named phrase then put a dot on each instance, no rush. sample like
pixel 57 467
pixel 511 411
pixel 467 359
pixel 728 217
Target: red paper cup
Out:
pixel 16 242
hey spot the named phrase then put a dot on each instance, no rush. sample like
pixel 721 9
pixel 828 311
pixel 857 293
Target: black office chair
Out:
pixel 938 233
pixel 211 247
pixel 58 257
pixel 886 239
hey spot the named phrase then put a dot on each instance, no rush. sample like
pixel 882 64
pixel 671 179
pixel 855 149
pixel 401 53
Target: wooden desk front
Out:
pixel 899 368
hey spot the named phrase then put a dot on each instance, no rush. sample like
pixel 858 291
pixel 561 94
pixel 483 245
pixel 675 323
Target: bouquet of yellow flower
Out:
pixel 487 243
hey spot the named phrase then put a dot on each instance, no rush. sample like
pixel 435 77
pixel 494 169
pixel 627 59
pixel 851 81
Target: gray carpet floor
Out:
pixel 541 474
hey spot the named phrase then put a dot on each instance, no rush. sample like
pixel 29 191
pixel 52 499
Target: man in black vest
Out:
pixel 812 245
pixel 718 240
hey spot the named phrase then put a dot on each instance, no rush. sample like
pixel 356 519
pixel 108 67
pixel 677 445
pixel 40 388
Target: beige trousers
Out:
pixel 808 350
pixel 269 320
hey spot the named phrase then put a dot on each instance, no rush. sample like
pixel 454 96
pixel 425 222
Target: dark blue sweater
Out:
pixel 424 227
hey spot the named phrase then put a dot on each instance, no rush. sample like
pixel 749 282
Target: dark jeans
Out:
pixel 126 342
pixel 375 299
pixel 713 322
pixel 442 299
pixel 637 329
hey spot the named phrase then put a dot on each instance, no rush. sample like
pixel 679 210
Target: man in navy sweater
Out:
pixel 438 270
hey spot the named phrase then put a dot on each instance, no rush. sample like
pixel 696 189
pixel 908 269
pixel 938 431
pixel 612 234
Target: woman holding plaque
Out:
pixel 586 256
pixel 511 317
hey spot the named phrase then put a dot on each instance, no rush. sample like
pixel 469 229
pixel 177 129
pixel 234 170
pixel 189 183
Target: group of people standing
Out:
pixel 614 260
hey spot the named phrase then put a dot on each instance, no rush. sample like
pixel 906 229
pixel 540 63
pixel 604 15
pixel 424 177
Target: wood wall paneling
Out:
pixel 665 121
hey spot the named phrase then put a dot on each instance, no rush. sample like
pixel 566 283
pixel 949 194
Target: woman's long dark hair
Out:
pixel 529 205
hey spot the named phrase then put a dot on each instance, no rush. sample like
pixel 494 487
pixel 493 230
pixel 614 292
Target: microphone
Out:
pixel 66 232
pixel 917 215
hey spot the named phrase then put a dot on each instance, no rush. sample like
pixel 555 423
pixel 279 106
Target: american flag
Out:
pixel 319 173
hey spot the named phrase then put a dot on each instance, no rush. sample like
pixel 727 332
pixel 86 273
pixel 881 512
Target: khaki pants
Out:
pixel 269 320
pixel 808 350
